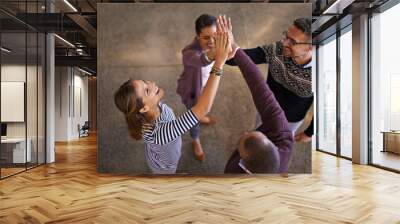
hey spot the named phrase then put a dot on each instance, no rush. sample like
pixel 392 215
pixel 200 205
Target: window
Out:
pixel 385 89
pixel 327 96
pixel 346 92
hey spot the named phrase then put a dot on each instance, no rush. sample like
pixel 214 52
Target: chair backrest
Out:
pixel 86 125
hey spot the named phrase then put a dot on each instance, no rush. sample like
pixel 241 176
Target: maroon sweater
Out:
pixel 189 83
pixel 274 123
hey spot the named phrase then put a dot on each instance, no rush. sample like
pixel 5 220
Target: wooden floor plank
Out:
pixel 71 191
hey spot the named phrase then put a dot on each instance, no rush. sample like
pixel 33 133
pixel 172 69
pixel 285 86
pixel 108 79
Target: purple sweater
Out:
pixel 189 83
pixel 274 123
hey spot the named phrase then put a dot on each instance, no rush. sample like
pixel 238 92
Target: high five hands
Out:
pixel 224 25
pixel 223 48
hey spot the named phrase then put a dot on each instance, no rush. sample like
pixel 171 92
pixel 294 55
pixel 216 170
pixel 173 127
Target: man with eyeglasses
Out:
pixel 289 73
pixel 198 59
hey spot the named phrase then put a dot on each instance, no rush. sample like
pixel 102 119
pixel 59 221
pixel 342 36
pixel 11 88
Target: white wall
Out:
pixel 79 103
pixel 62 80
pixel 70 83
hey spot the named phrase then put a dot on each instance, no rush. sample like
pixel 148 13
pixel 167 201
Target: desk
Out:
pixel 16 147
pixel 391 141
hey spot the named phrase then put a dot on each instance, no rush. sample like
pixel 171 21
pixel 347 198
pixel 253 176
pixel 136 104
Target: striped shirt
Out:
pixel 163 139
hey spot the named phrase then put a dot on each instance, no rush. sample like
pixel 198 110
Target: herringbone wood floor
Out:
pixel 71 191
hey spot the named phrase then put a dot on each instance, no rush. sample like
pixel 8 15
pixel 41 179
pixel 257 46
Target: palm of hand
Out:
pixel 224 25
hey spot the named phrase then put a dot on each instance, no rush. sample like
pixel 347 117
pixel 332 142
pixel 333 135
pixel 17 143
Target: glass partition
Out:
pixel 327 96
pixel 346 93
pixel 15 149
pixel 385 90
pixel 22 88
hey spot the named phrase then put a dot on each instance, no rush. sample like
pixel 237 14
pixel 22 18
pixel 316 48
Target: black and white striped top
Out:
pixel 162 138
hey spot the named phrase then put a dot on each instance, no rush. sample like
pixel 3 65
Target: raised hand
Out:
pixel 224 25
pixel 222 49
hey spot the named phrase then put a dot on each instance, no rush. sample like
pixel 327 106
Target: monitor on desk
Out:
pixel 3 130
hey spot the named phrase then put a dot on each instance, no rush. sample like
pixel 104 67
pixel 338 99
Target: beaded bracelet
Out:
pixel 216 71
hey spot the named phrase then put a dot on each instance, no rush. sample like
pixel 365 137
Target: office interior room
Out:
pixel 39 108
pixel 337 87
pixel 49 125
pixel 22 99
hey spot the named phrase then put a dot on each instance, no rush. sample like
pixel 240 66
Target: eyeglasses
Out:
pixel 241 165
pixel 290 41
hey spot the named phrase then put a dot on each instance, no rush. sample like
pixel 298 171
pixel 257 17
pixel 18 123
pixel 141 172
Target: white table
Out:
pixel 18 144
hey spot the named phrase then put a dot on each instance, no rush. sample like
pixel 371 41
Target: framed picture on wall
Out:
pixel 12 101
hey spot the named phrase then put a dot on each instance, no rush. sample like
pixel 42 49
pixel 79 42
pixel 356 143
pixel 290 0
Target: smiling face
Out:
pixel 206 37
pixel 300 52
pixel 150 94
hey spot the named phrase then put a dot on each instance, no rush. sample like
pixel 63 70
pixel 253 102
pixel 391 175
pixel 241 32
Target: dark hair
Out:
pixel 128 103
pixel 263 156
pixel 203 21
pixel 303 24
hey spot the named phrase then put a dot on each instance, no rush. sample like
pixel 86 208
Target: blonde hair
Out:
pixel 130 104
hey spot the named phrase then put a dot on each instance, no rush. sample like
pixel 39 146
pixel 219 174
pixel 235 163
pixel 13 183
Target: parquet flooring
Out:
pixel 71 191
pixel 10 171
